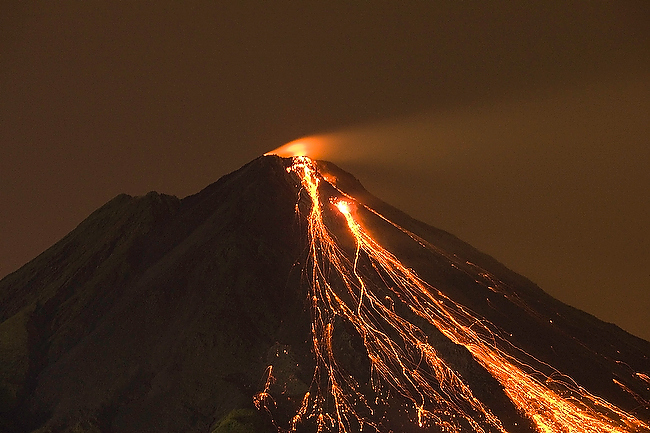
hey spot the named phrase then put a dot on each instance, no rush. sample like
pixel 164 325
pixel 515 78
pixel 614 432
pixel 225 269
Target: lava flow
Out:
pixel 403 365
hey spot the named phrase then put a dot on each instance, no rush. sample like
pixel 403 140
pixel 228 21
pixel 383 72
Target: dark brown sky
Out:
pixel 523 130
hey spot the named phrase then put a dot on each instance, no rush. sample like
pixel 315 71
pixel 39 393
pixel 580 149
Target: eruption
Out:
pixel 368 289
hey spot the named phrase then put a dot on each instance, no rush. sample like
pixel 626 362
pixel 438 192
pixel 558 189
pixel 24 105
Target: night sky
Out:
pixel 523 130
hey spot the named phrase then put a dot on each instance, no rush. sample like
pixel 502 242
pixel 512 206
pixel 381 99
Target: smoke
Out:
pixel 551 184
pixel 397 143
pixel 586 129
pixel 591 139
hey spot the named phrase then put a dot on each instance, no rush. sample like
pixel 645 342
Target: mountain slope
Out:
pixel 150 313
pixel 578 344
pixel 160 314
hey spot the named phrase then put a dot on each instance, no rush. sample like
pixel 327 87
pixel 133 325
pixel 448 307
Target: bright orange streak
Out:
pixel 582 412
pixel 402 360
pixel 263 398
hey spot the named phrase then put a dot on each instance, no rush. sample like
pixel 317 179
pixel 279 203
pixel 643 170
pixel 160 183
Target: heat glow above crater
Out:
pixel 312 147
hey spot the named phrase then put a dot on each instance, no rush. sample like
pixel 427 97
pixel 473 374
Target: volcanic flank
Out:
pixel 285 296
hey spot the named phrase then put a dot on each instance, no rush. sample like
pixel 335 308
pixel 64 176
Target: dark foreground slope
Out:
pixel 155 314
pixel 161 315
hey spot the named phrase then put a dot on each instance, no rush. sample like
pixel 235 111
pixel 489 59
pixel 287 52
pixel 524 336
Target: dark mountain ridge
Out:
pixel 162 314
pixel 107 309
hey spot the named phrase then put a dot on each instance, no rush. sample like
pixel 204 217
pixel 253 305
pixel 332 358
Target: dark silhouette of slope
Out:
pixel 160 314
pixel 155 314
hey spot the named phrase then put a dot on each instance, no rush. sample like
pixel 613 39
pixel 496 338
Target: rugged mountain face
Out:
pixel 160 314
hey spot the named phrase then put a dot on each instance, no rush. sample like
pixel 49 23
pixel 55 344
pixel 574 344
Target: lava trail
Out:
pixel 403 365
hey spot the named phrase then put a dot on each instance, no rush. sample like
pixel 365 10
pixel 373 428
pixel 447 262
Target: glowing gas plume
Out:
pixel 312 147
pixel 361 289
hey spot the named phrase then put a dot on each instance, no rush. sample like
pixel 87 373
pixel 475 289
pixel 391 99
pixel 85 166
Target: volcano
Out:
pixel 285 297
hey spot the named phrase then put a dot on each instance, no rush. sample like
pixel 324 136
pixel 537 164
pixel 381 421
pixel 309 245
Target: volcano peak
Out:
pixel 286 296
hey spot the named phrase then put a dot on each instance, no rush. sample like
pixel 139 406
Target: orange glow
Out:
pixel 312 147
pixel 409 366
pixel 343 207
pixel 263 399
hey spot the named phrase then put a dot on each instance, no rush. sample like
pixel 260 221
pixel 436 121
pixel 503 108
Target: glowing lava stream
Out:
pixel 401 359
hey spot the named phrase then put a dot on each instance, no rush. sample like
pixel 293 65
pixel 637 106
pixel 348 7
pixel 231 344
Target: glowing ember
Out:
pixel 402 362
pixel 343 207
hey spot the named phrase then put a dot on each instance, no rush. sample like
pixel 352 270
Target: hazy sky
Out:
pixel 521 129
